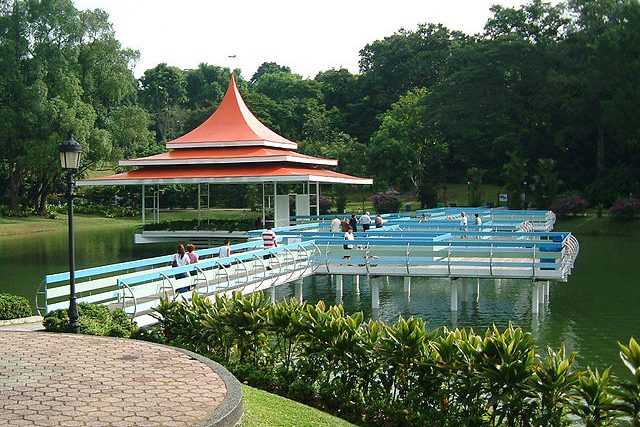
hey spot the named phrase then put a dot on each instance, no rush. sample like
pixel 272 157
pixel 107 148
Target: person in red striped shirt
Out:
pixel 269 238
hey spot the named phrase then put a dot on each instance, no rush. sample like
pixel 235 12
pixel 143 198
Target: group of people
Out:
pixel 186 255
pixel 352 223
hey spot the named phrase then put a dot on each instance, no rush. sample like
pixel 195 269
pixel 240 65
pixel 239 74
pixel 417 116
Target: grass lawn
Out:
pixel 262 409
pixel 594 226
pixel 19 226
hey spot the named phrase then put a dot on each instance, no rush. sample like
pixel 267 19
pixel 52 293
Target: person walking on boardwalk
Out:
pixel 193 257
pixel 353 223
pixel 464 220
pixel 365 220
pixel 225 249
pixel 269 241
pixel 348 236
pixel 345 225
pixel 478 220
pixel 378 221
pixel 180 259
pixel 335 225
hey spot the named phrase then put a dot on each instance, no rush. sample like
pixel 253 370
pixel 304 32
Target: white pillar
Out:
pixel 541 293
pixel 478 290
pixel 464 292
pixel 535 298
pixel 546 291
pixel 273 294
pixel 356 283
pixel 318 198
pixel 375 293
pixel 143 204
pixel 407 284
pixel 298 285
pixel 339 287
pixel 454 295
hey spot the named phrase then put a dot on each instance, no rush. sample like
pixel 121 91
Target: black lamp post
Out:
pixel 70 152
pixel 468 193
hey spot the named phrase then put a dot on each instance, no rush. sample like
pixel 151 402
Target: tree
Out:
pixel 163 93
pixel 60 69
pixel 403 153
pixel 545 184
pixel 515 173
pixel 269 68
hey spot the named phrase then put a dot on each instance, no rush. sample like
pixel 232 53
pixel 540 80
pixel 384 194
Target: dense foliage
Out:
pixel 95 319
pixel 14 307
pixel 400 374
pixel 543 101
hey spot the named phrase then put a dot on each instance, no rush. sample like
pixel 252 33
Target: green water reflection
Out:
pixel 596 308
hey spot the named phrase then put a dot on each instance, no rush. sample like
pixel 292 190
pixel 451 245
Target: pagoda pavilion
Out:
pixel 232 147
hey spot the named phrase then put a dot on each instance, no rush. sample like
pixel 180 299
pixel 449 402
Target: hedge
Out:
pixel 14 307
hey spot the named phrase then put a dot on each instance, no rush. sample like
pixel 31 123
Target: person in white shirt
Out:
pixel 180 259
pixel 464 220
pixel 335 225
pixel 365 220
pixel 225 250
pixel 348 236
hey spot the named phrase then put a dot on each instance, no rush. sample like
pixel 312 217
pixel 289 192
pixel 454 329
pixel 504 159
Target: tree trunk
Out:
pixel 15 187
pixel 600 151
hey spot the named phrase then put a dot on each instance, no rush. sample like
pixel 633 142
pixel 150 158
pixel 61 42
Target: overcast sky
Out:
pixel 306 36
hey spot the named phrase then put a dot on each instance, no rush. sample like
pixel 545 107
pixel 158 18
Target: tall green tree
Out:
pixel 404 154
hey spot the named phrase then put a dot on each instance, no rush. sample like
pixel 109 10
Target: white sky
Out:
pixel 306 36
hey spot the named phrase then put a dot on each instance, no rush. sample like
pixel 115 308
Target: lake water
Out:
pixel 597 307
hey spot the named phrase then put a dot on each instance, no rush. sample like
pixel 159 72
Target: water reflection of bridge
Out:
pixel 403 247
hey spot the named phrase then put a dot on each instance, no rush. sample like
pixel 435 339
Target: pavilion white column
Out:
pixel 143 204
pixel 317 197
pixel 264 207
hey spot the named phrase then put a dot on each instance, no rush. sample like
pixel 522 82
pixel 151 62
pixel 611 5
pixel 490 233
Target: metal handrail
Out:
pixel 264 272
pixel 449 260
pixel 226 274
pixel 408 259
pixel 246 271
pixel 40 292
pixel 294 262
pixel 206 281
pixel 125 288
pixel 162 286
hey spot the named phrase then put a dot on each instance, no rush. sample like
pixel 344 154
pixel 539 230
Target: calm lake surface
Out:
pixel 598 306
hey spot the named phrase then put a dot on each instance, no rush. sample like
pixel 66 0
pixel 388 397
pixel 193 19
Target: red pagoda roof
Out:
pixel 226 174
pixel 232 124
pixel 200 156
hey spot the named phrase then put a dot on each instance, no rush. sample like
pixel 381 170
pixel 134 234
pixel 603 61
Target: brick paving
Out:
pixel 51 379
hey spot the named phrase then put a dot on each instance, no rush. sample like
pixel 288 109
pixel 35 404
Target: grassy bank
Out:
pixel 591 225
pixel 262 409
pixel 17 227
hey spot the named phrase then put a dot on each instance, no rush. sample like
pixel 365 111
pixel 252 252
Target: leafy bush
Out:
pixel 213 224
pixel 388 202
pixel 14 307
pixel 400 374
pixel 95 319
pixel 569 205
pixel 625 209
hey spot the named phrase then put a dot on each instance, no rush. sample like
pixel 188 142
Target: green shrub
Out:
pixel 400 374
pixel 94 319
pixel 14 307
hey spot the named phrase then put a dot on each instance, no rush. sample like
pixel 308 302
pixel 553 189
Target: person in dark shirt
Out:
pixel 353 223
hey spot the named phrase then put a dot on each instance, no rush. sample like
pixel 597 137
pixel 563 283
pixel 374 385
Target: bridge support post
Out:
pixel 356 283
pixel 407 285
pixel 546 291
pixel 535 298
pixel 273 294
pixel 375 293
pixel 541 294
pixel 477 289
pixel 298 286
pixel 464 291
pixel 454 295
pixel 339 282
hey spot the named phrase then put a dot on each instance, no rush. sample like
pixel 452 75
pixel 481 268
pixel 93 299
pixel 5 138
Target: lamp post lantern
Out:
pixel 70 151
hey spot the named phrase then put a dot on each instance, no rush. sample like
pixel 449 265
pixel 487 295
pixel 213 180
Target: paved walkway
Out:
pixel 51 379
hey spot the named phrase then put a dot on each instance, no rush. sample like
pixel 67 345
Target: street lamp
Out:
pixel 468 193
pixel 70 152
